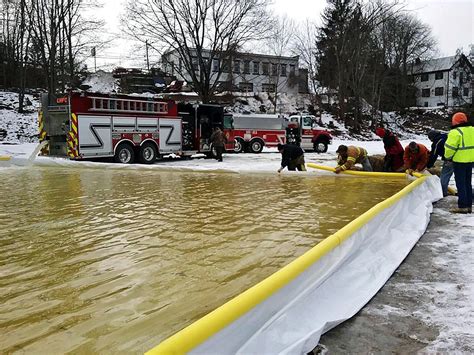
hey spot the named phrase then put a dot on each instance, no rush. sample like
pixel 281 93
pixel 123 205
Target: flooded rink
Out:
pixel 116 260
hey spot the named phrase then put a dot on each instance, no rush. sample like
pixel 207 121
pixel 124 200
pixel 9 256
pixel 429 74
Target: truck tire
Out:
pixel 239 145
pixel 148 153
pixel 124 154
pixel 320 146
pixel 256 146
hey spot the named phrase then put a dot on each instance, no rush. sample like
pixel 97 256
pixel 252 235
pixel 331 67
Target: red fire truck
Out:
pixel 83 125
pixel 254 131
pixel 304 131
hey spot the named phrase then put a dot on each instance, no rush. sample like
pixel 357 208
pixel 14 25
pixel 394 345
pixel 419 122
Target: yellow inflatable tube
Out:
pixel 204 328
pixel 451 190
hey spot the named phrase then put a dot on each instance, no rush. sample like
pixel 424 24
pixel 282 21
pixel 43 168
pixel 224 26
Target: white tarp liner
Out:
pixel 335 287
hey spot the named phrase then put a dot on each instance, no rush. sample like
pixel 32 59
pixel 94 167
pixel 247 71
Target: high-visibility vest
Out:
pixel 459 146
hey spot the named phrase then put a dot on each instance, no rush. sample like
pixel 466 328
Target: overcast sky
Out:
pixel 451 22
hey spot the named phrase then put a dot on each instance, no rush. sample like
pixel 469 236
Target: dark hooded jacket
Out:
pixel 437 147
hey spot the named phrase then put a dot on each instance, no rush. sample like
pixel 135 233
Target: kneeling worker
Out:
pixel 292 157
pixel 415 158
pixel 351 155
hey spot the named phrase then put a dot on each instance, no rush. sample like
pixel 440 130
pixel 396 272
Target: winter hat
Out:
pixel 341 149
pixel 413 146
pixel 380 132
pixel 458 118
pixel 432 135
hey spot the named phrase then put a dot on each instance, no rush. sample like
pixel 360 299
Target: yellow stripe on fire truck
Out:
pixel 42 132
pixel 72 141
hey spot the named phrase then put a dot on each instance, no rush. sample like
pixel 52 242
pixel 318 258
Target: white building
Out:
pixel 444 82
pixel 247 72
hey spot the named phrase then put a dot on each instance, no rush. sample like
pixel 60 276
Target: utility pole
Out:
pixel 147 59
pixel 95 59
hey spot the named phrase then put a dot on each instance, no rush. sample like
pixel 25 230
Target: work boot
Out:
pixel 461 210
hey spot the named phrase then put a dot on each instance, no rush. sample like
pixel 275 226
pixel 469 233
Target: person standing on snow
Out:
pixel 438 140
pixel 393 150
pixel 351 155
pixel 218 140
pixel 292 156
pixel 459 147
pixel 415 158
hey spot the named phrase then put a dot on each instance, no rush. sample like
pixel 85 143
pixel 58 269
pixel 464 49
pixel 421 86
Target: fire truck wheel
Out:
pixel 148 153
pixel 320 147
pixel 238 145
pixel 124 154
pixel 256 146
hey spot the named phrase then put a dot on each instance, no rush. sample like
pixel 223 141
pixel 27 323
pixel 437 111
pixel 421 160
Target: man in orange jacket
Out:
pixel 415 157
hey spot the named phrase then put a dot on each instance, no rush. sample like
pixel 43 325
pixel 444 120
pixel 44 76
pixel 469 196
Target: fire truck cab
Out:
pixel 128 128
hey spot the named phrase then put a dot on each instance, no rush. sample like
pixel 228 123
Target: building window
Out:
pixel 268 87
pixel 236 66
pixel 425 92
pixel 455 91
pixel 292 69
pixel 439 75
pixel 246 67
pixel 465 92
pixel 194 63
pixel 225 66
pixel 215 65
pixel 274 69
pixel 283 69
pixel 426 104
pixel 246 87
pixel 461 78
pixel 265 68
pixel 256 68
pixel 439 91
pixel 425 77
pixel 455 75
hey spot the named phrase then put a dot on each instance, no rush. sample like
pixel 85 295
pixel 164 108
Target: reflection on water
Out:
pixel 117 260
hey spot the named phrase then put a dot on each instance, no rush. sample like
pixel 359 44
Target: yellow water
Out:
pixel 114 261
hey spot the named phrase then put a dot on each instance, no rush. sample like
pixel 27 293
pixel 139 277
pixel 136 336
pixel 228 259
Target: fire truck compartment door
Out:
pixel 95 135
pixel 170 135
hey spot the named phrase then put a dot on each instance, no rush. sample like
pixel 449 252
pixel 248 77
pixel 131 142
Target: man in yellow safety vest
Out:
pixel 459 148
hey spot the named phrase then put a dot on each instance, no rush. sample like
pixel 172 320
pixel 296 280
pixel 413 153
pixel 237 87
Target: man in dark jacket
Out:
pixel 438 140
pixel 393 150
pixel 292 157
pixel 218 140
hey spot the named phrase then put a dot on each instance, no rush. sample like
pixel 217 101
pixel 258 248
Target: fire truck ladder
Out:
pixel 108 104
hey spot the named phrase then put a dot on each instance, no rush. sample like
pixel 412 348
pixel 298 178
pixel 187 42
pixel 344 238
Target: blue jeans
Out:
pixel 366 166
pixel 463 177
pixel 446 172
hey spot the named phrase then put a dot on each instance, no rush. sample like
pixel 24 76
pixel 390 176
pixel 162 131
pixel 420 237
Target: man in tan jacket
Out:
pixel 351 155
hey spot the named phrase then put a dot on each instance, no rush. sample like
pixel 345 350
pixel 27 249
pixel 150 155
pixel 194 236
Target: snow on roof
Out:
pixel 433 65
pixel 101 81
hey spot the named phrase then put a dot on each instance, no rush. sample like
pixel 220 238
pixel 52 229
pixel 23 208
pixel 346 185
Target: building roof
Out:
pixel 438 64
pixel 241 55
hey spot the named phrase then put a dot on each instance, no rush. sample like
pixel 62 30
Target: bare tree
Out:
pixel 305 46
pixel 59 33
pixel 279 43
pixel 201 32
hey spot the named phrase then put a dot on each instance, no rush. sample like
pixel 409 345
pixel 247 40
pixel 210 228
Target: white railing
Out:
pixel 107 104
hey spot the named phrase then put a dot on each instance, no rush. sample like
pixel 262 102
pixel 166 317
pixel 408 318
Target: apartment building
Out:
pixel 444 81
pixel 246 72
